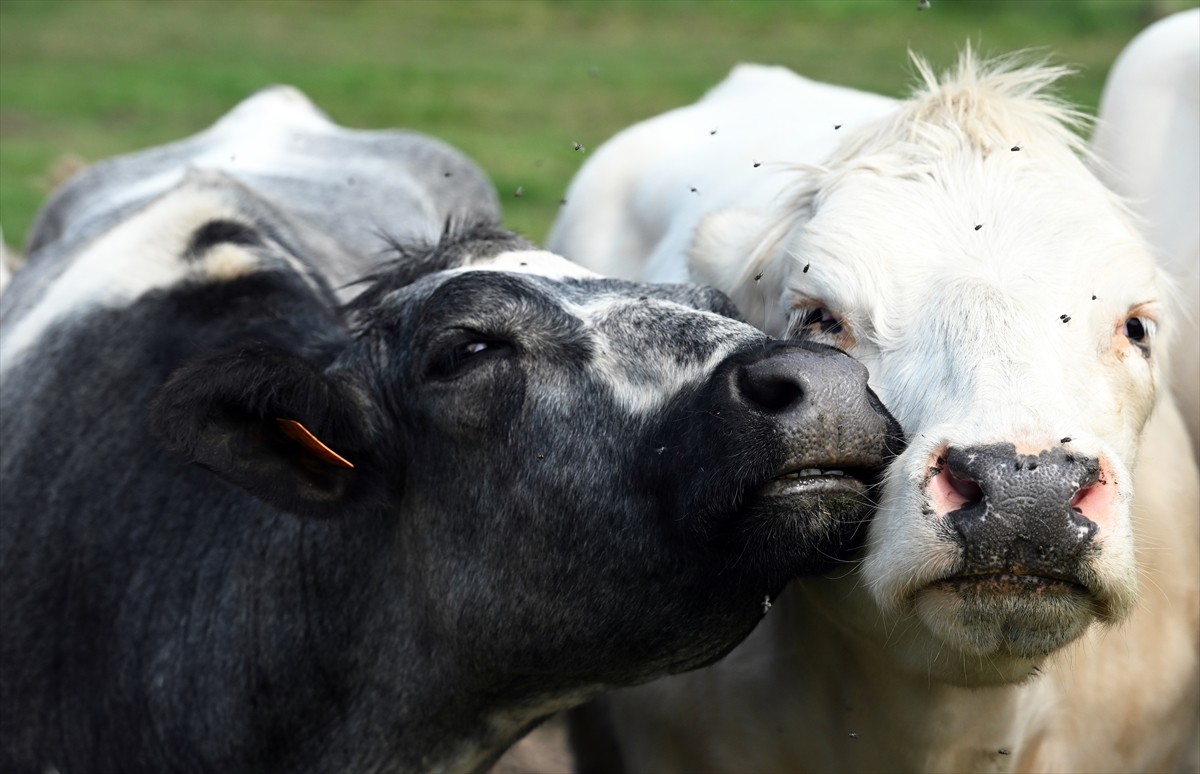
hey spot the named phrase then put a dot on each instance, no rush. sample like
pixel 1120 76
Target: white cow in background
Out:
pixel 1029 595
pixel 1149 135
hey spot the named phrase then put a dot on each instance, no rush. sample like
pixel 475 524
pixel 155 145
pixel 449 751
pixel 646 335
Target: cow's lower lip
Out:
pixel 1012 580
pixel 813 484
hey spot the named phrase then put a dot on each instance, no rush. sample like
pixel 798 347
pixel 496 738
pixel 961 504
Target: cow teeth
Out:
pixel 810 473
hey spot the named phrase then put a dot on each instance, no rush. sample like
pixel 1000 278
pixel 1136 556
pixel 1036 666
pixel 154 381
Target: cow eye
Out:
pixel 810 320
pixel 1139 332
pixel 822 320
pixel 466 351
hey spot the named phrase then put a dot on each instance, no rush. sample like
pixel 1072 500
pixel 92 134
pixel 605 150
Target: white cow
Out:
pixel 1017 607
pixel 1149 135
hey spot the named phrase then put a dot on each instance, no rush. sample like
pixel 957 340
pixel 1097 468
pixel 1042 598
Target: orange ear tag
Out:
pixel 300 434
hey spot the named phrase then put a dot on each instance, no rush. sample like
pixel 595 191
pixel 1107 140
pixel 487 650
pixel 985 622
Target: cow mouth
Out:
pixel 1010 611
pixel 814 479
pixel 1014 580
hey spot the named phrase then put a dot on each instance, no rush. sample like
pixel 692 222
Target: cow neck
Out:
pixel 414 703
pixel 887 716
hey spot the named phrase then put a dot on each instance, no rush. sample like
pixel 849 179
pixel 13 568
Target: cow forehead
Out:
pixel 986 283
pixel 648 349
pixel 647 342
pixel 887 242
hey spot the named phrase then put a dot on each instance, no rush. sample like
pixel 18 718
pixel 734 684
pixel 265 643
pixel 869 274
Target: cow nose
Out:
pixel 790 380
pixel 772 387
pixel 1020 510
pixel 818 398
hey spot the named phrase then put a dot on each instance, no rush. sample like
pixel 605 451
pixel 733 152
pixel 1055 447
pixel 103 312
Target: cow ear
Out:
pixel 736 250
pixel 270 422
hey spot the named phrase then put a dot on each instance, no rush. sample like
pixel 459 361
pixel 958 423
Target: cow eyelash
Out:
pixel 822 318
pixel 466 350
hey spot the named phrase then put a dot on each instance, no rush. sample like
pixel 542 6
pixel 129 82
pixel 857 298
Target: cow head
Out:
pixel 1010 316
pixel 589 482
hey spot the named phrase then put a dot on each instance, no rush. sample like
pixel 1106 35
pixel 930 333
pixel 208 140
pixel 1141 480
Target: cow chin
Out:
pixel 789 533
pixel 998 618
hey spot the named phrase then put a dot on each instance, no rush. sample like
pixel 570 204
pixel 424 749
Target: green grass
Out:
pixel 513 84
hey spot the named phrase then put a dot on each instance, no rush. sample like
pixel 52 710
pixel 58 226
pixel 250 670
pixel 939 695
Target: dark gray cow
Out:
pixel 487 488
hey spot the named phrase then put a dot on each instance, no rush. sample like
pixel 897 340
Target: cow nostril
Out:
pixel 770 392
pixel 1093 500
pixel 968 490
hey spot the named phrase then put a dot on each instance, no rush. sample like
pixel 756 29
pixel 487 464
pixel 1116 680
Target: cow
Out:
pixel 1148 136
pixel 255 522
pixel 1028 595
pixel 407 184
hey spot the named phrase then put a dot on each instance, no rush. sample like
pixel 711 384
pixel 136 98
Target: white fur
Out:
pixel 538 262
pixel 962 331
pixel 1148 135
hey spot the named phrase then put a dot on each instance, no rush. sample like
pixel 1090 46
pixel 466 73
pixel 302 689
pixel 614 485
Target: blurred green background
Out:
pixel 513 84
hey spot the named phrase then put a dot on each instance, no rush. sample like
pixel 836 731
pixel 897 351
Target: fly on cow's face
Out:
pixel 578 146
pixel 758 276
pixel 805 269
pixel 978 226
pixel 837 126
pixel 1015 148
pixel 757 164
pixel 1065 439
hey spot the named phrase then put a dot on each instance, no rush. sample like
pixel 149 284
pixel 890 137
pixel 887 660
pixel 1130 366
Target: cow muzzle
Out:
pixel 837 434
pixel 1027 529
pixel 810 442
